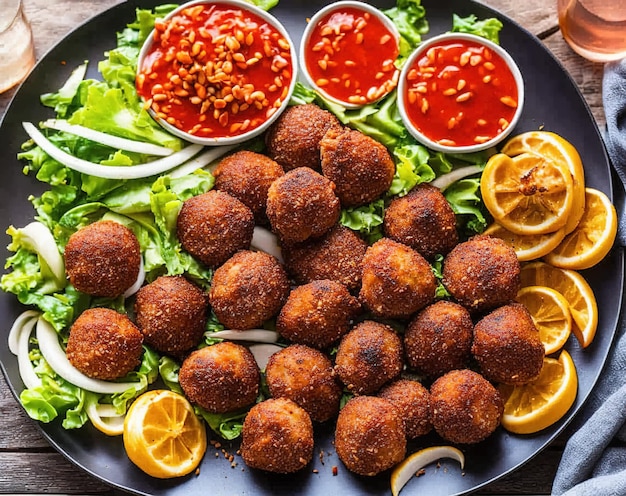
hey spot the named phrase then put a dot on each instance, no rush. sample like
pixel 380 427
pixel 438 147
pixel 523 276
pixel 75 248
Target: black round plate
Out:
pixel 552 101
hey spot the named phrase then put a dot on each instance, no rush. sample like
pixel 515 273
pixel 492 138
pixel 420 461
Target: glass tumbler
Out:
pixel 595 29
pixel 17 53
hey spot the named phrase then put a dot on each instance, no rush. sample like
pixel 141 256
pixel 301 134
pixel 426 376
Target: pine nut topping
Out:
pixel 219 74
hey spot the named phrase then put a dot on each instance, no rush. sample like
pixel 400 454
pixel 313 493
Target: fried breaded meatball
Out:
pixel 465 407
pixel 247 176
pixel 277 436
pixel 302 204
pixel 220 378
pixel 412 400
pixel 507 346
pixel 439 339
pixel 248 289
pixel 317 314
pixel 397 281
pixel 423 219
pixel 369 356
pixel 171 313
pixel 104 344
pixel 103 259
pixel 482 273
pixel 369 437
pixel 213 226
pixel 337 256
pixel 294 139
pixel 305 375
pixel 361 168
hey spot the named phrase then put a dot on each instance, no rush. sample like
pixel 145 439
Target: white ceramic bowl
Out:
pixel 311 81
pixel 454 111
pixel 228 134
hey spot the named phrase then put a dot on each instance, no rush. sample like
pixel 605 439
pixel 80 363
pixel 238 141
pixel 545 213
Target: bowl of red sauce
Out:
pixel 460 93
pixel 348 52
pixel 217 72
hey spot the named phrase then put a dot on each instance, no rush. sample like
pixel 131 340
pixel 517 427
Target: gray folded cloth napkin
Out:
pixel 594 460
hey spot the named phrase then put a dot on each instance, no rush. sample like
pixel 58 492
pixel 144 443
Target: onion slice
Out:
pixel 201 160
pixel 108 139
pixel 263 352
pixel 265 240
pixel 106 171
pixel 141 277
pixel 17 327
pixel 442 182
pixel 55 356
pixel 251 335
pixel 40 239
pixel 19 344
pixel 105 418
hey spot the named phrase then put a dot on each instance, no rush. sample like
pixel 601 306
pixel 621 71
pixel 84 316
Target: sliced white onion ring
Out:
pixel 263 352
pixel 55 356
pixel 141 277
pixel 40 239
pixel 105 418
pixel 17 328
pixel 251 335
pixel 110 172
pixel 265 240
pixel 442 182
pixel 107 139
pixel 19 344
pixel 201 161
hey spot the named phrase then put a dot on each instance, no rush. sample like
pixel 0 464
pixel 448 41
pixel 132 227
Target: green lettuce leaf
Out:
pixel 409 16
pixel 487 28
pixel 464 198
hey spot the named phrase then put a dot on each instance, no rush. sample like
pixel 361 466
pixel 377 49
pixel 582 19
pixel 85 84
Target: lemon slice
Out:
pixel 557 149
pixel 527 247
pixel 532 407
pixel 527 194
pixel 550 313
pixel 163 436
pixel 592 239
pixel 574 288
pixel 415 462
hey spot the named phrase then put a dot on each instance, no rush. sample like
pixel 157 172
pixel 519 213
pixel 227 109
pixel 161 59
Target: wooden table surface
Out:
pixel 29 464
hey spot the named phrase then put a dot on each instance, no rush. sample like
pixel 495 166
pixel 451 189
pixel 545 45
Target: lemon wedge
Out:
pixel 413 463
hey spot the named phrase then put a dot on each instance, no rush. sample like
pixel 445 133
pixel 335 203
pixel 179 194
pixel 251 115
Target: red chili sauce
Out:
pixel 460 94
pixel 350 55
pixel 215 71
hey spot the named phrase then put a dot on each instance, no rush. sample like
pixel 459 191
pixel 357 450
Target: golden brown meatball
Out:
pixel 507 346
pixel 465 407
pixel 302 204
pixel 247 176
pixel 439 339
pixel 369 356
pixel 423 219
pixel 482 273
pixel 220 378
pixel 412 400
pixel 305 375
pixel 171 313
pixel 213 226
pixel 277 436
pixel 104 344
pixel 317 314
pixel 103 259
pixel 369 437
pixel 337 256
pixel 361 168
pixel 248 289
pixel 397 281
pixel 294 139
